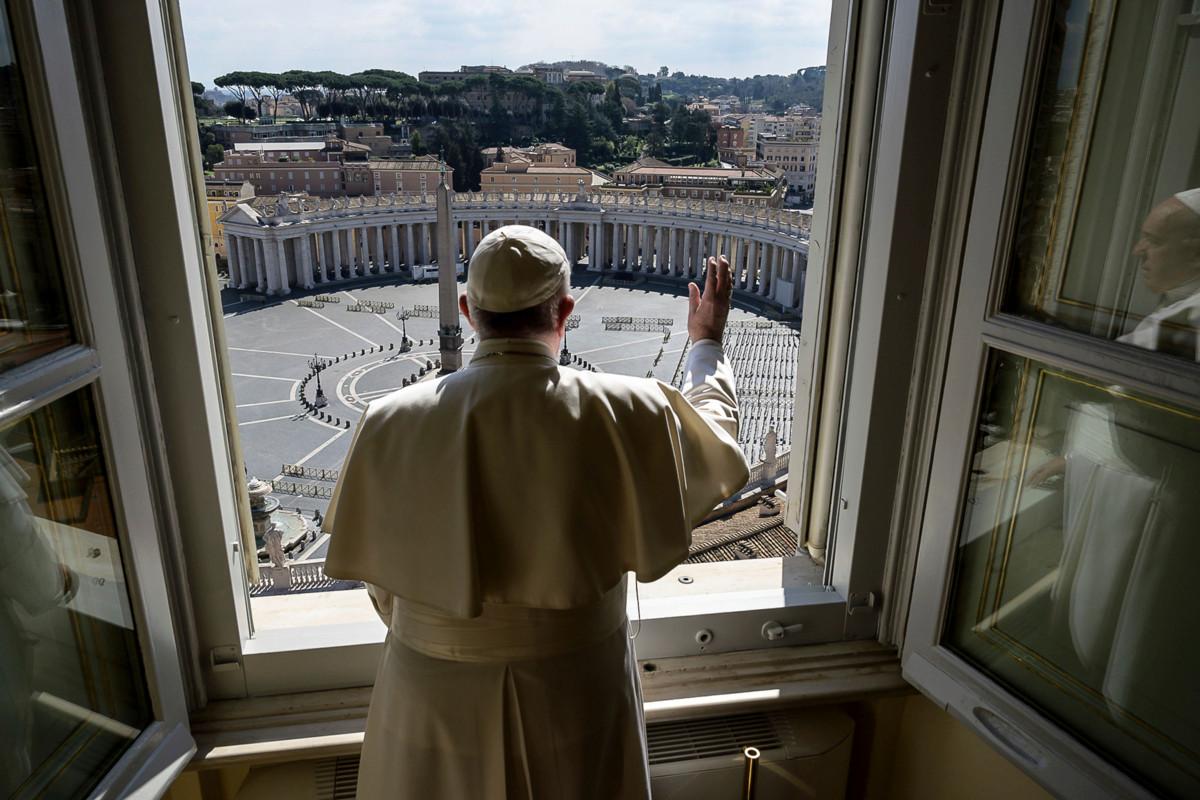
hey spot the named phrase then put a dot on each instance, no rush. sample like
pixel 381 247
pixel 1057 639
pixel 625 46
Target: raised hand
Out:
pixel 707 313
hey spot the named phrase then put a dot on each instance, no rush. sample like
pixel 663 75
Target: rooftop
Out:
pixel 259 147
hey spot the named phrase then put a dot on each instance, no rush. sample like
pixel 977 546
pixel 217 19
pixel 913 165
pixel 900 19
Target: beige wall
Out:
pixel 533 181
pixel 906 748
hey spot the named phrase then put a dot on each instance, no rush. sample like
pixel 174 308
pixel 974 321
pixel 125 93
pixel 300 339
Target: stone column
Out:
pixel 285 285
pixel 323 271
pixel 616 245
pixel 364 250
pixel 231 258
pixel 470 239
pixel 394 253
pixel 425 233
pixel 249 272
pixel 270 255
pixel 379 259
pixel 596 247
pixel 304 264
pixel 743 280
pixel 673 251
pixel 335 240
pixel 768 267
pixel 685 254
pixel 568 245
pixel 409 249
pixel 260 264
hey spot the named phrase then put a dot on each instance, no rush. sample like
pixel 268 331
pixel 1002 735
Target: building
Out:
pixel 291 166
pixel 229 135
pixel 442 76
pixel 732 147
pixel 522 176
pixel 221 195
pixel 574 75
pixel 796 158
pixel 748 185
pixel 417 174
pixel 330 168
pixel 550 154
pixel 372 136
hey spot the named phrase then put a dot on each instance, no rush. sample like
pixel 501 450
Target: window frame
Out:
pixel 239 662
pixel 1005 97
pixel 102 363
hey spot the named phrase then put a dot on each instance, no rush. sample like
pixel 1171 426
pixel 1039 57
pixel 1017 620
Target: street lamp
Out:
pixel 405 344
pixel 564 357
pixel 316 365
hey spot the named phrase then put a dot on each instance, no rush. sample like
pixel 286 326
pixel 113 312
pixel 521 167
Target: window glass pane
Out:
pixel 72 691
pixel 33 306
pixel 1075 580
pixel 1108 232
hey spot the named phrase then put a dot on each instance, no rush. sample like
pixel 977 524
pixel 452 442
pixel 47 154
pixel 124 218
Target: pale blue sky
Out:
pixel 722 38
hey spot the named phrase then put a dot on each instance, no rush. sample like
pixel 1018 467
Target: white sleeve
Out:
pixel 708 385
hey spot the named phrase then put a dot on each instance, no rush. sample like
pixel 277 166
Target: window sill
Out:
pixel 331 723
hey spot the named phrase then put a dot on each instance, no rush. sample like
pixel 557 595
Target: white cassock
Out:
pixel 1131 542
pixel 1174 326
pixel 494 514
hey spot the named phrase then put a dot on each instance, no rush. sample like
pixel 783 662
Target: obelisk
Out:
pixel 449 331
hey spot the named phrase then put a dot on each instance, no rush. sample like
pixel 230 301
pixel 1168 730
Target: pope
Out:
pixel 494 514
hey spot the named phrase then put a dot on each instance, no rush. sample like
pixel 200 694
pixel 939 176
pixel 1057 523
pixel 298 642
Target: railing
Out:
pixel 299 576
pixel 764 473
pixel 790 221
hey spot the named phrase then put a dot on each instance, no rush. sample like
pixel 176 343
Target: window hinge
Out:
pixel 859 603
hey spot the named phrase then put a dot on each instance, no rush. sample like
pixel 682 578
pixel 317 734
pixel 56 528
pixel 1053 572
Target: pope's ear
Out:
pixel 566 306
pixel 465 308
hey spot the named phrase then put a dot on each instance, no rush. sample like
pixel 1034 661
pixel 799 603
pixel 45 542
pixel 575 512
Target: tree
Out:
pixel 213 154
pixel 239 110
pixel 235 82
pixel 577 129
pixel 418 144
pixel 204 107
pixel 275 88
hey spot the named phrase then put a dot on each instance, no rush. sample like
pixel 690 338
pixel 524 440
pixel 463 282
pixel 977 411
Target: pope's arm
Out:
pixel 711 464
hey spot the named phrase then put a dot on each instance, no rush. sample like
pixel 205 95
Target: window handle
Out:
pixel 773 630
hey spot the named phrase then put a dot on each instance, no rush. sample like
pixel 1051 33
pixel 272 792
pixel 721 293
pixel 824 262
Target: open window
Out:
pixel 93 702
pixel 297 369
pixel 1054 572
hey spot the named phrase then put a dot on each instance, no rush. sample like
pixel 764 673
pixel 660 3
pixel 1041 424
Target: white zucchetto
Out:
pixel 515 267
pixel 1191 199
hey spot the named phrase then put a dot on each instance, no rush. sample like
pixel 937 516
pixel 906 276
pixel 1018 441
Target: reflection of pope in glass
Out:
pixel 1168 254
pixel 1130 540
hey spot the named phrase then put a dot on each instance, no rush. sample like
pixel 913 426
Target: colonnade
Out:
pixel 303 250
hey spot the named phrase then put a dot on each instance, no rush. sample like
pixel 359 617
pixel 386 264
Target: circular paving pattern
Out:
pixel 278 349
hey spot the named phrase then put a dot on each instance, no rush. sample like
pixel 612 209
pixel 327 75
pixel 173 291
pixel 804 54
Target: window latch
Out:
pixel 859 603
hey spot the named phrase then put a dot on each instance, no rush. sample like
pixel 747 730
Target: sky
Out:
pixel 703 37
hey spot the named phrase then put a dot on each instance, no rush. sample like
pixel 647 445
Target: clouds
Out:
pixel 694 36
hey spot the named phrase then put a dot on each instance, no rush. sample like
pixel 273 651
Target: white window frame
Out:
pixel 104 363
pixel 1002 94
pixel 238 662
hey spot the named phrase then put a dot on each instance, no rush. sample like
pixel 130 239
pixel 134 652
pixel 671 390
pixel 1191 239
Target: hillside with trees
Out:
pixel 609 123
